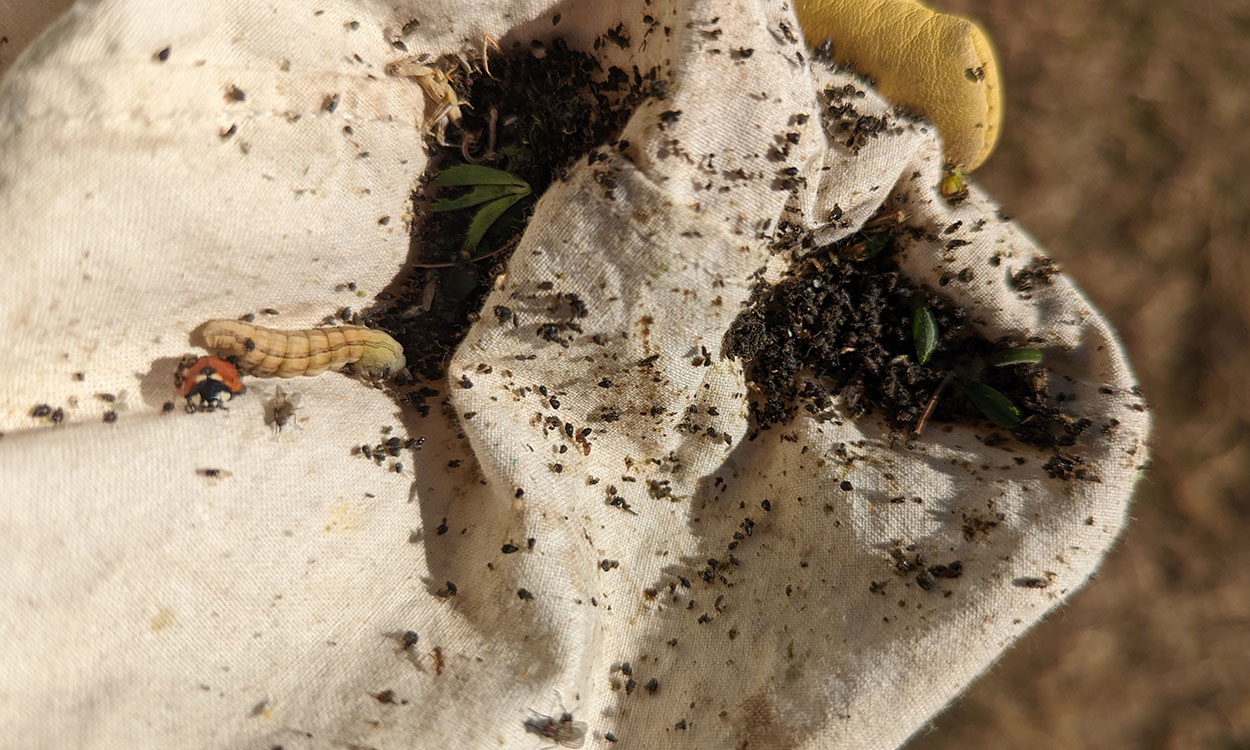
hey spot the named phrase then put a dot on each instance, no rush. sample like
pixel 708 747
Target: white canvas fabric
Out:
pixel 147 602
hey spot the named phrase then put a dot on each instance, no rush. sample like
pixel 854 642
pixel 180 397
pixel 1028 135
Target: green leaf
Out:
pixel 485 218
pixel 865 247
pixel 992 403
pixel 513 220
pixel 1015 357
pixel 874 244
pixel 478 195
pixel 925 332
pixel 472 174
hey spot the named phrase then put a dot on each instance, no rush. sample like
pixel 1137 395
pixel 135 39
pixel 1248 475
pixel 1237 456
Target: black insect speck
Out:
pixel 1030 582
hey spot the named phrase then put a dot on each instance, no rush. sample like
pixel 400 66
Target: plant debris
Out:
pixel 541 108
pixel 844 325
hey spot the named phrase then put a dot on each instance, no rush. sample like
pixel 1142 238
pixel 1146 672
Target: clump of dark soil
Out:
pixel 1041 272
pixel 840 325
pixel 540 109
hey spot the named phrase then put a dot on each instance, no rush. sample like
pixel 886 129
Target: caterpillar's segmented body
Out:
pixel 285 354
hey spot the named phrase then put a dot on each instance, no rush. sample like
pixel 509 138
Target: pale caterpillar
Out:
pixel 267 351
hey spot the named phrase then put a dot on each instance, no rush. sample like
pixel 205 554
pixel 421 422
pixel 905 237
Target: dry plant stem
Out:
pixel 468 140
pixel 884 221
pixel 489 41
pixel 465 141
pixel 505 246
pixel 490 141
pixel 928 409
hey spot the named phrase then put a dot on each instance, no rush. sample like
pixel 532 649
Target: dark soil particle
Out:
pixel 533 117
pixel 840 325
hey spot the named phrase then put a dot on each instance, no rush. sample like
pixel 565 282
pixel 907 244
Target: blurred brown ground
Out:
pixel 1126 152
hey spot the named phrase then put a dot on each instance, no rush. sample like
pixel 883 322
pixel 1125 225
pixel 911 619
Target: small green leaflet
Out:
pixel 492 192
pixel 874 244
pixel 991 402
pixel 485 218
pixel 1015 357
pixel 463 175
pixel 925 332
pixel 477 196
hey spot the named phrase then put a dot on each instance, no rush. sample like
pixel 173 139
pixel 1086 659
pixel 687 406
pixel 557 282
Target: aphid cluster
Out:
pixel 268 351
pixel 207 383
pixel 389 447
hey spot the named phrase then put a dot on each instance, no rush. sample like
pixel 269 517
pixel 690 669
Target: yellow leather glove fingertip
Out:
pixel 938 64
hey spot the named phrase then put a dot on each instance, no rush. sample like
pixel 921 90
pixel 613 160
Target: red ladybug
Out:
pixel 207 383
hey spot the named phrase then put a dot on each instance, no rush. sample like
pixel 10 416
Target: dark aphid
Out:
pixel 565 731
pixel 1030 582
